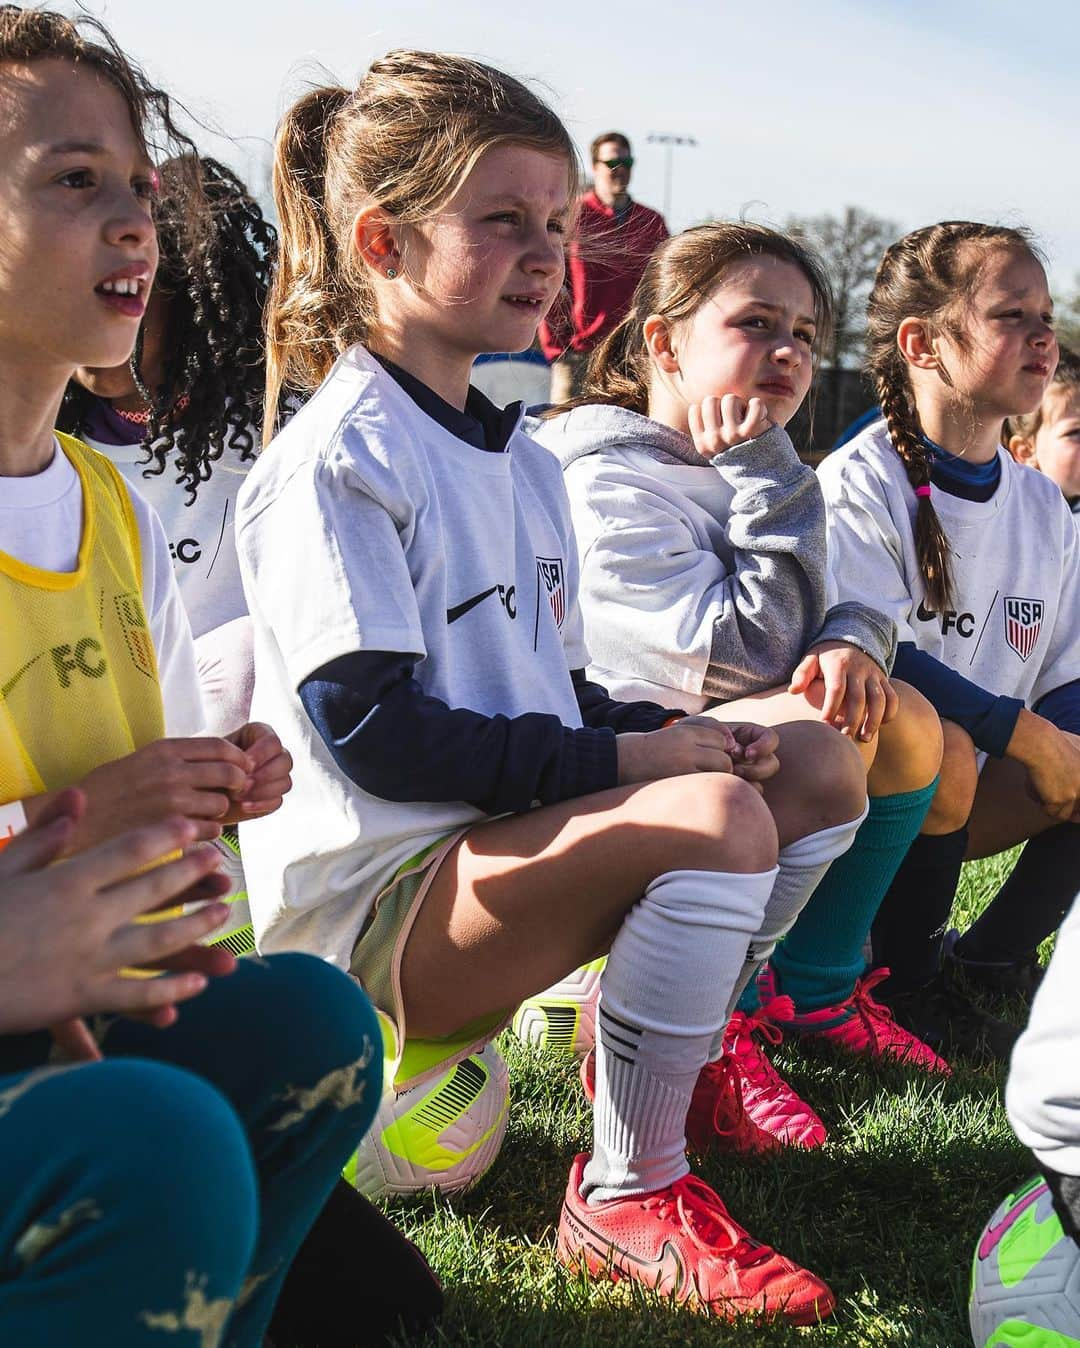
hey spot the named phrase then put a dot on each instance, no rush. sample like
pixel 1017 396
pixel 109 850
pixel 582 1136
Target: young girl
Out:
pixel 704 579
pixel 1049 438
pixel 189 402
pixel 179 419
pixel 428 660
pixel 979 564
pixel 95 660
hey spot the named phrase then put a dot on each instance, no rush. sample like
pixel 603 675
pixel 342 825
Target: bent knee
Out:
pixel 826 769
pixel 955 795
pixel 157 1139
pixel 297 1006
pixel 728 825
pixel 911 744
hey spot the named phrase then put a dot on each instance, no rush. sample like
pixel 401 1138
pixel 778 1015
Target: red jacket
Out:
pixel 603 266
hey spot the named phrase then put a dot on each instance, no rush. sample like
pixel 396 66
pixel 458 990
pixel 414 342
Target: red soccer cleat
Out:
pixel 683 1243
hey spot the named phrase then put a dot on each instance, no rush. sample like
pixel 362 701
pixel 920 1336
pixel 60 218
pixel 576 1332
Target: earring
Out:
pixel 390 273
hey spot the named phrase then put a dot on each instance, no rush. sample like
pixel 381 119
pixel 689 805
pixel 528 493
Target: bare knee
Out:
pixel 951 806
pixel 722 824
pixel 910 746
pixel 822 778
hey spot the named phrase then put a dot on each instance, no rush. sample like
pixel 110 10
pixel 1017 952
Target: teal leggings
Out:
pixel 158 1197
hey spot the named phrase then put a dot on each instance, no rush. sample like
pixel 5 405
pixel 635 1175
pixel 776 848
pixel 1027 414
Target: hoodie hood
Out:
pixel 599 426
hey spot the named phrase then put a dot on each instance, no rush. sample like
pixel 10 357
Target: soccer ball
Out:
pixel 443 1134
pixel 237 934
pixel 1025 1281
pixel 564 1017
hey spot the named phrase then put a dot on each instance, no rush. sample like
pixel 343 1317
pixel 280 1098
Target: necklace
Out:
pixel 143 418
pixel 135 418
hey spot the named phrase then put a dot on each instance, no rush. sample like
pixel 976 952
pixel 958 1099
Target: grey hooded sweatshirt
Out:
pixel 701 582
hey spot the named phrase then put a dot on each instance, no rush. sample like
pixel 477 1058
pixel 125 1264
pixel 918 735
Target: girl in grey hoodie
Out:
pixel 705 582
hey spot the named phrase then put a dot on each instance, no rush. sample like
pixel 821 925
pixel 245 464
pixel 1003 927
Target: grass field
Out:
pixel 888 1211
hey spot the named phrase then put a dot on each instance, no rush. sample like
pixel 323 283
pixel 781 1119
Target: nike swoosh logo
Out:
pixel 666 1274
pixel 460 610
pixel 924 614
pixel 7 688
pixel 995 1234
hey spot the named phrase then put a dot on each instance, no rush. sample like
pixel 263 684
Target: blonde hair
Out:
pixel 404 140
pixel 1067 375
pixel 929 274
pixel 679 277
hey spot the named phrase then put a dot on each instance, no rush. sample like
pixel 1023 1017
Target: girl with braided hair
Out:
pixel 978 562
pixel 179 418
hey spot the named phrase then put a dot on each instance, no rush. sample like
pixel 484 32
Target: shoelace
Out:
pixel 869 1011
pixel 751 1062
pixel 729 1113
pixel 700 1213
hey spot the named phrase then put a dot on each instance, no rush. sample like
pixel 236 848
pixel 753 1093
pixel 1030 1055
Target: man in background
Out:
pixel 614 239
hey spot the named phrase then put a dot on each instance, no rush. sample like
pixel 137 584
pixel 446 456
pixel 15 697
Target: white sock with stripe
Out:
pixel 663 996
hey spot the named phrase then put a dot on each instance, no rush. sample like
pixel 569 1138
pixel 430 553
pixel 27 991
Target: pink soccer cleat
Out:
pixel 740 1102
pixel 771 1108
pixel 860 1025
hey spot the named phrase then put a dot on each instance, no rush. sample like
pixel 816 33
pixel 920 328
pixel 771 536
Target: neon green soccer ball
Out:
pixel 443 1134
pixel 1025 1279
pixel 563 1019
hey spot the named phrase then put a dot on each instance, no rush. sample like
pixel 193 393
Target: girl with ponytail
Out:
pixel 473 819
pixel 705 585
pixel 977 561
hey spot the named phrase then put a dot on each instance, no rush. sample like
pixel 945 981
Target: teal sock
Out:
pixel 822 956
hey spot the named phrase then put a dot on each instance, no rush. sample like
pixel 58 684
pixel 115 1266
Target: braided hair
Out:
pixel 215 272
pixel 928 274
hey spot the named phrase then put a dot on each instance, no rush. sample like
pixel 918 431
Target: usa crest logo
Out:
pixel 550 581
pixel 140 644
pixel 1023 623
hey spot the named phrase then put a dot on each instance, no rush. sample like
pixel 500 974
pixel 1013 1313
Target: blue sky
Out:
pixel 915 110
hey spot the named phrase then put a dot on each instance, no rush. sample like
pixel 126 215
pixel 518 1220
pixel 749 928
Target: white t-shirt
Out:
pixel 201 534
pixel 41 525
pixel 368 526
pixel 1014 628
pixel 202 542
pixel 1042 1096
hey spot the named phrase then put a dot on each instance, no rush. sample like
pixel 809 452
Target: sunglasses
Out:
pixel 627 162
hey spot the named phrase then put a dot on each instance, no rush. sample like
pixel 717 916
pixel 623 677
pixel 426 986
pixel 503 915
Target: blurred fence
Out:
pixel 838 397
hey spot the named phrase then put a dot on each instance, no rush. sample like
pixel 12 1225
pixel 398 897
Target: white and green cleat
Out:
pixel 237 934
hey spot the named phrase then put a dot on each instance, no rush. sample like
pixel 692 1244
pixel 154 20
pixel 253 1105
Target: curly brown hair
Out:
pixel 216 276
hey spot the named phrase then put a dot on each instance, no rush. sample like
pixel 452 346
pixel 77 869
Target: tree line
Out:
pixel 851 245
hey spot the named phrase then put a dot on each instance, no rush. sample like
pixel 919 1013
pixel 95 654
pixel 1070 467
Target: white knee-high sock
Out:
pixel 663 997
pixel 802 866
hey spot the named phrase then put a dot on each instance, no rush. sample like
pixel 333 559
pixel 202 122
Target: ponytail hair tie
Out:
pixel 923 491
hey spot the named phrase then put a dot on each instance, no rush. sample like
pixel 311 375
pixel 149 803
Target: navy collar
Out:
pixel 958 477
pixel 482 424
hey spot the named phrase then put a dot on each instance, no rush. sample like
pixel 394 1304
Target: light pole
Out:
pixel 668 140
